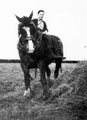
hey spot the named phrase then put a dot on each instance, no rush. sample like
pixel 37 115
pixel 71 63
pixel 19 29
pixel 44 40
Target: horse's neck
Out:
pixel 38 36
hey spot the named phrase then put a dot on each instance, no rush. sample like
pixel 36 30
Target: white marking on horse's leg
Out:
pixel 27 92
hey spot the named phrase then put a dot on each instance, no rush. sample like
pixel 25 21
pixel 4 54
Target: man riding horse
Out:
pixel 40 23
pixel 42 27
pixel 36 51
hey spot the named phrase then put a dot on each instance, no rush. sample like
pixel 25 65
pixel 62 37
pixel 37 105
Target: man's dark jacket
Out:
pixel 36 23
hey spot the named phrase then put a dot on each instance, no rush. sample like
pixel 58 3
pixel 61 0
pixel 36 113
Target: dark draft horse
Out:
pixel 34 51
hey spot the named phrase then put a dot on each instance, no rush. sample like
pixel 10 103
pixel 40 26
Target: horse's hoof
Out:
pixel 50 84
pixel 47 96
pixel 27 93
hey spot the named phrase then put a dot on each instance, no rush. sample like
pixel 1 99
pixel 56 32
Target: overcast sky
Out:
pixel 66 19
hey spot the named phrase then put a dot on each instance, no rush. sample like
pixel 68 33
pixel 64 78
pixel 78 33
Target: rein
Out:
pixel 40 35
pixel 33 24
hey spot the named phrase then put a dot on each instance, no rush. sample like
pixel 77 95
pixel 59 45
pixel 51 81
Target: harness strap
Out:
pixel 30 38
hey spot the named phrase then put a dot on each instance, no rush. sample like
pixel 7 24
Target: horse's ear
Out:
pixel 31 15
pixel 18 18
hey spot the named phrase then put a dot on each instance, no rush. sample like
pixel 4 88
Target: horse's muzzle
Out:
pixel 30 45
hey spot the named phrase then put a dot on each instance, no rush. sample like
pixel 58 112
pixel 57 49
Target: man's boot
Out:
pixel 52 55
pixel 59 53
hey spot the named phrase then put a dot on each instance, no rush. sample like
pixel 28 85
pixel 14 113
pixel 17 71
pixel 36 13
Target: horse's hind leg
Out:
pixel 48 72
pixel 57 67
pixel 46 92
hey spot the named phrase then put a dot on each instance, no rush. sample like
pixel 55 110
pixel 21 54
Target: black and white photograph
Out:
pixel 43 60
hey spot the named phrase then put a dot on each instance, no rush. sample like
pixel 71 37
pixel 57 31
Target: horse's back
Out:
pixel 56 43
pixel 54 39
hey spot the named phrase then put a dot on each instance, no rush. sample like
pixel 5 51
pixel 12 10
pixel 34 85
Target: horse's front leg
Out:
pixel 27 79
pixel 46 92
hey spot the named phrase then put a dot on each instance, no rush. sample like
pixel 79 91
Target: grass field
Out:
pixel 67 94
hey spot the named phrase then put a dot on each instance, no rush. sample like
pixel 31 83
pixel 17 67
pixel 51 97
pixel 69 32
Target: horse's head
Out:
pixel 28 32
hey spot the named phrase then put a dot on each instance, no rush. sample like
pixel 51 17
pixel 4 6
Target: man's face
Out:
pixel 40 15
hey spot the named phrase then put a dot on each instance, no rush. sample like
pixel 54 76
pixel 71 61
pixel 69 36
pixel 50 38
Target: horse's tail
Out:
pixel 35 72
